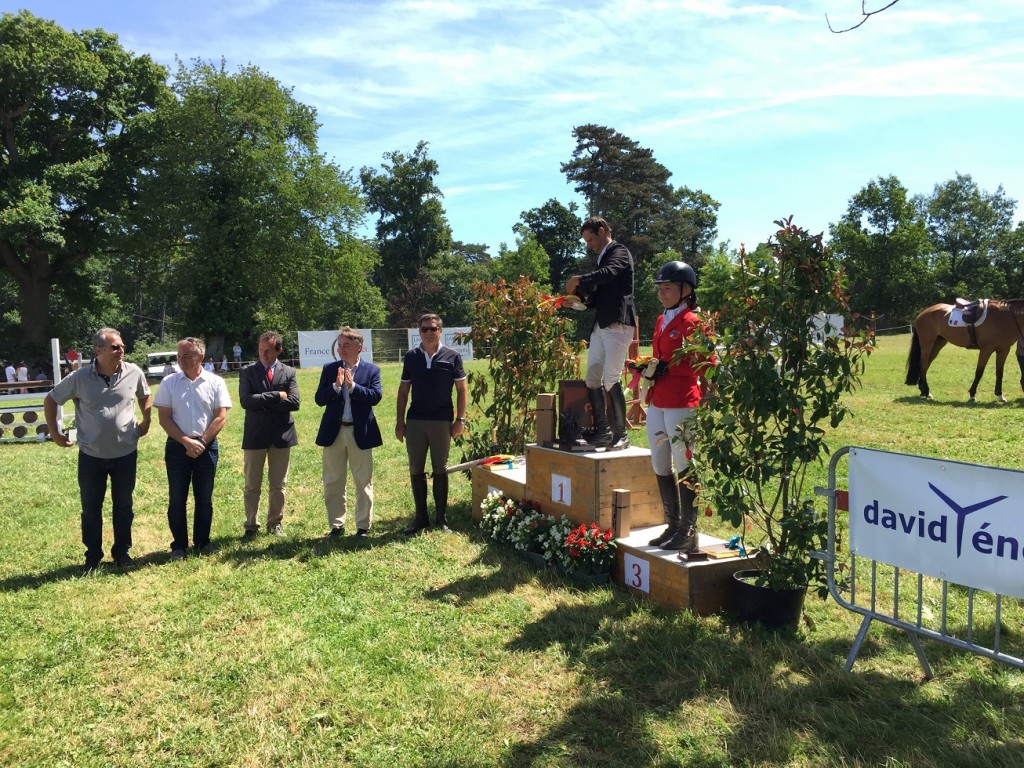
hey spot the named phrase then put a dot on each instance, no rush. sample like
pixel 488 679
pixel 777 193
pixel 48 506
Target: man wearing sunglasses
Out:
pixel 108 434
pixel 430 371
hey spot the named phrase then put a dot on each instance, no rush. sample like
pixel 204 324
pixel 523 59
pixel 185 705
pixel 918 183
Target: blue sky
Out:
pixel 755 103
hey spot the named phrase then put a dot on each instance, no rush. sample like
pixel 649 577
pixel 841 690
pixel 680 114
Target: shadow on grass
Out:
pixel 242 554
pixel 644 669
pixel 981 404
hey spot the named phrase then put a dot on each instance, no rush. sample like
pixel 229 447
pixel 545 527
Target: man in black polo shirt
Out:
pixel 430 370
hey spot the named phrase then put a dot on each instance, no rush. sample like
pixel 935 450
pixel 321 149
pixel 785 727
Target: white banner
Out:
pixel 960 522
pixel 447 338
pixel 318 348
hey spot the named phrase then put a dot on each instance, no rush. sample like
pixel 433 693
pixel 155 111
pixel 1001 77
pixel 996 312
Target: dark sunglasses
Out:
pixel 116 347
pixel 430 329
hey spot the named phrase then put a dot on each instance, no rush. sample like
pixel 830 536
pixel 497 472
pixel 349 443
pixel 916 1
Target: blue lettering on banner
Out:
pixel 982 541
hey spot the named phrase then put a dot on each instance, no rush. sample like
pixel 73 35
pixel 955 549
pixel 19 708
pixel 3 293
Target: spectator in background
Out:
pixel 193 408
pixel 208 366
pixel 108 436
pixel 224 364
pixel 167 371
pixel 236 351
pixel 11 373
pixel 22 375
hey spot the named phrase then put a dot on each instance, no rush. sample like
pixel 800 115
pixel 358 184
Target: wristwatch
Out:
pixel 461 420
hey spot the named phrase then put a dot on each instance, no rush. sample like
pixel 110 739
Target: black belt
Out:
pixel 347 423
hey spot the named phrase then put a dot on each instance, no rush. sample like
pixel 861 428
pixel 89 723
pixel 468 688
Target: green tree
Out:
pixel 557 228
pixel 622 182
pixel 256 225
pixel 76 110
pixel 444 286
pixel 528 260
pixel 411 225
pixel 690 226
pixel 883 244
pixel 966 225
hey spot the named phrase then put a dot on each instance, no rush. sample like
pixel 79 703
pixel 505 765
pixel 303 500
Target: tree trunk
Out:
pixel 34 299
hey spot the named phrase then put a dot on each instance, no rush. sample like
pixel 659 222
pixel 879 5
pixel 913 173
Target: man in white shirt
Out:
pixel 193 409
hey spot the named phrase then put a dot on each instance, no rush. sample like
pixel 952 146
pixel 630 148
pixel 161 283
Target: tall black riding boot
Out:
pixel 419 497
pixel 441 502
pixel 685 538
pixel 620 439
pixel 670 503
pixel 1020 362
pixel 602 435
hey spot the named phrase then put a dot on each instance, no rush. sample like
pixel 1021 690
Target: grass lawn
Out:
pixel 444 651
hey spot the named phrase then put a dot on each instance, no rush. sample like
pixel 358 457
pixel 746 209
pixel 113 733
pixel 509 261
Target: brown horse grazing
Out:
pixel 1000 330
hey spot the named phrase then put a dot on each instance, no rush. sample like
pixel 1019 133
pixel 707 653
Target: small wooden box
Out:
pixel 547 419
pixel 511 482
pixel 581 486
pixel 703 587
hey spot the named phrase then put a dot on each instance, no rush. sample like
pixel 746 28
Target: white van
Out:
pixel 156 361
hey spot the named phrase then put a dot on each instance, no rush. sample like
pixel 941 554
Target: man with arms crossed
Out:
pixel 193 408
pixel 349 388
pixel 269 394
pixel 609 289
pixel 430 371
pixel 104 393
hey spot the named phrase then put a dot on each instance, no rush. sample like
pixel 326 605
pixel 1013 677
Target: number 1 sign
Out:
pixel 561 490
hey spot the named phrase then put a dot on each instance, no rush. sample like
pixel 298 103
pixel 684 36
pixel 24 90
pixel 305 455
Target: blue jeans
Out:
pixel 198 473
pixel 92 484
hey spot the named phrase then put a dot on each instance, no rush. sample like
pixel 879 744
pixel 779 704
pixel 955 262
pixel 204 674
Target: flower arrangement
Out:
pixel 583 549
pixel 497 511
pixel 527 526
pixel 591 550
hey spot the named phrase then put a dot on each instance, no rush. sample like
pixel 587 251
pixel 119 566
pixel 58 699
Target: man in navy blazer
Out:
pixel 269 394
pixel 349 388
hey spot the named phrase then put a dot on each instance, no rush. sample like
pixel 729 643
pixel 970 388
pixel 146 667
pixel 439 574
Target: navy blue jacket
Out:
pixel 366 393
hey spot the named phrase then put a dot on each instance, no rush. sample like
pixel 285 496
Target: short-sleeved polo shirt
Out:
pixel 104 412
pixel 192 403
pixel 432 379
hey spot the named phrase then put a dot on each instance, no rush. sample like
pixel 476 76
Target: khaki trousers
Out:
pixel 276 460
pixel 338 459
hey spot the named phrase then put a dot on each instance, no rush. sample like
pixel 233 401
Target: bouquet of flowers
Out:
pixel 527 527
pixel 590 550
pixel 552 542
pixel 497 513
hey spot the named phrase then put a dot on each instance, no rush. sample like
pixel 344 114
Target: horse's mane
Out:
pixel 1014 305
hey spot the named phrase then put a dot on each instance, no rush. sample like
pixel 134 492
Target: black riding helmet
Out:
pixel 677 272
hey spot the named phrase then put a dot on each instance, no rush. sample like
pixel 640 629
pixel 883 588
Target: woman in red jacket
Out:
pixel 675 391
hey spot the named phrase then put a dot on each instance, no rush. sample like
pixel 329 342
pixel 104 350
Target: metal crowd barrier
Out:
pixel 962 617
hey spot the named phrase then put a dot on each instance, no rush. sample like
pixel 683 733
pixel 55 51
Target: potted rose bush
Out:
pixel 780 384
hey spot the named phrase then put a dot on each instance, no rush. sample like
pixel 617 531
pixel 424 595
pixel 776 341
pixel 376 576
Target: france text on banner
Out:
pixel 317 348
pixel 954 521
pixel 449 337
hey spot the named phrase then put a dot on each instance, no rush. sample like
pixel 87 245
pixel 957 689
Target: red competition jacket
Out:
pixel 679 386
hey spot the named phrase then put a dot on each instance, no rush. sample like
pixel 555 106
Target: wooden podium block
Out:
pixel 511 482
pixel 703 587
pixel 581 486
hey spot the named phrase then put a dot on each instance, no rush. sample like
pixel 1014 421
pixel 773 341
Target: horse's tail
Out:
pixel 914 360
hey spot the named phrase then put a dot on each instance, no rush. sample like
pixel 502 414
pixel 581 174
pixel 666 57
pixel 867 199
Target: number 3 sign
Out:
pixel 636 573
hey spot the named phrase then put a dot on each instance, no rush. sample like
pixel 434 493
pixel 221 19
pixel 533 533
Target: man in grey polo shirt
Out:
pixel 108 434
